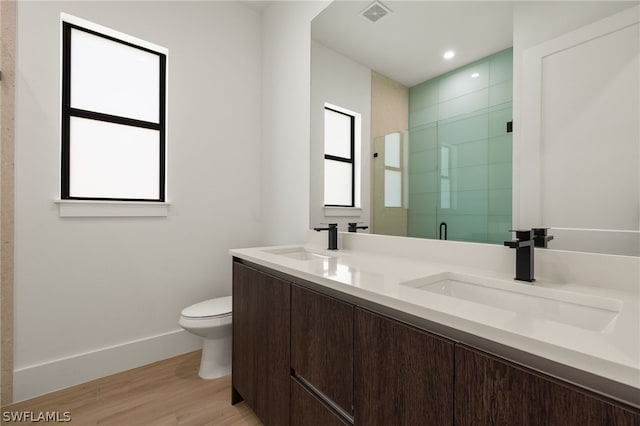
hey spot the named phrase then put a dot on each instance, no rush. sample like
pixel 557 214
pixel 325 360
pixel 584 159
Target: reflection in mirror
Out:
pixel 390 195
pixel 460 153
pixel 579 145
pixel 458 171
pixel 440 158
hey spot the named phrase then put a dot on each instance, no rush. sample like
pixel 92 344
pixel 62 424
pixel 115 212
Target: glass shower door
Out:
pixel 460 153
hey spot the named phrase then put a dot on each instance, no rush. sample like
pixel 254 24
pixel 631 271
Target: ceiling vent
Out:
pixel 375 11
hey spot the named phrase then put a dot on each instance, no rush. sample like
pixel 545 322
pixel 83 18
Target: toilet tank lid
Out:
pixel 209 308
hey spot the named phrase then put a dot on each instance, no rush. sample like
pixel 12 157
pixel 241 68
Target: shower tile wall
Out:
pixel 460 153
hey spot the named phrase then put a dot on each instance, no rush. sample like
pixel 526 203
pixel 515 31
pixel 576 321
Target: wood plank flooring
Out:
pixel 165 393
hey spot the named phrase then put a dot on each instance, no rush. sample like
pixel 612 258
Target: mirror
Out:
pixel 378 68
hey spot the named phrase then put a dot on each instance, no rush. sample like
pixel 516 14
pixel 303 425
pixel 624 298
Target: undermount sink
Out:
pixel 576 309
pixel 299 253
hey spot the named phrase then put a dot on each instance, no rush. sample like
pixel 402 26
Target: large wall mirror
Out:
pixel 479 117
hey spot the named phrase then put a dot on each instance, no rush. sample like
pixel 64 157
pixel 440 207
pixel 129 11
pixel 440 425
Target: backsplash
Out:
pixel 562 267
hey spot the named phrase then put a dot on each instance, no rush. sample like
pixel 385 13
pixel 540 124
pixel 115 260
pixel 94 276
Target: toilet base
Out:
pixel 216 358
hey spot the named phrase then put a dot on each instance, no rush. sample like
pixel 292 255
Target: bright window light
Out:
pixel 113 115
pixel 341 148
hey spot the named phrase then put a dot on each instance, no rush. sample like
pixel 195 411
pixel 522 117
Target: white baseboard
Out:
pixel 40 379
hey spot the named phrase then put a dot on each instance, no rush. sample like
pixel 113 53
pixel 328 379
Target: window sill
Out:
pixel 343 211
pixel 82 208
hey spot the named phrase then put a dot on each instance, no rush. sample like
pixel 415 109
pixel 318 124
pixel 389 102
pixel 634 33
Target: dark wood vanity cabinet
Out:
pixel 322 344
pixel 377 370
pixel 308 410
pixel 492 391
pixel 302 358
pixel 403 375
pixel 261 352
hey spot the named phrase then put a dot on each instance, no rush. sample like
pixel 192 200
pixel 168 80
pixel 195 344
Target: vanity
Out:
pixel 403 331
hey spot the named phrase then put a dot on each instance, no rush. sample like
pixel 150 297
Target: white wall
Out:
pixel 286 35
pixel 340 81
pixel 94 296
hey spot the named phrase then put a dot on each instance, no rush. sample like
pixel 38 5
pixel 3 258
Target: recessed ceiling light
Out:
pixel 475 75
pixel 449 54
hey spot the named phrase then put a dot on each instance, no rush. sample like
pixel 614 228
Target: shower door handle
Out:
pixel 443 225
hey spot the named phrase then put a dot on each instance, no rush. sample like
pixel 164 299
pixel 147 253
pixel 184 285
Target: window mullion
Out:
pixel 337 158
pixel 92 115
pixel 353 168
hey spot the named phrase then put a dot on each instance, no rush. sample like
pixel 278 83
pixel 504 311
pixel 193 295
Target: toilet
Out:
pixel 211 320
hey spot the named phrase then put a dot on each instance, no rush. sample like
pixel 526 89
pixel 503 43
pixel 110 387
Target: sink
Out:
pixel 576 309
pixel 300 253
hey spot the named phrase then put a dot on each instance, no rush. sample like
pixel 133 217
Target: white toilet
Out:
pixel 211 320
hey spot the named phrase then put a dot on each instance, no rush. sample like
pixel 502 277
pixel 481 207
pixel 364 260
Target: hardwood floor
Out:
pixel 167 393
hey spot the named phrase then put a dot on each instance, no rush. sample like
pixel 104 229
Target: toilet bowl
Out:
pixel 211 320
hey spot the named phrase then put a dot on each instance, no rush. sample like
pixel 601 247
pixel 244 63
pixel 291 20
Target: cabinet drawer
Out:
pixel 322 344
pixel 309 410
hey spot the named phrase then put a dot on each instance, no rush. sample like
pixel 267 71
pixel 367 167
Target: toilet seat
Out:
pixel 219 307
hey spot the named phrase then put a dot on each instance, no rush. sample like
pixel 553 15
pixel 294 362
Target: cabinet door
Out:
pixel 261 354
pixel 490 391
pixel 308 410
pixel 403 375
pixel 322 344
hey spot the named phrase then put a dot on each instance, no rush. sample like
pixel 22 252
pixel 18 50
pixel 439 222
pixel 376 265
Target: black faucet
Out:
pixel 524 254
pixel 333 235
pixel 353 227
pixel 524 245
pixel 540 237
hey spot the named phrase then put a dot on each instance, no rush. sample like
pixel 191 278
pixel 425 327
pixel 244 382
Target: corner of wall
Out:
pixel 7 143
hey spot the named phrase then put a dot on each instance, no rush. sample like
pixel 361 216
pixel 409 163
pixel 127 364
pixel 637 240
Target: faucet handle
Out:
pixel 540 232
pixel 353 226
pixel 522 234
pixel 541 238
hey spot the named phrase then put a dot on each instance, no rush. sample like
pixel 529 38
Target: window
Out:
pixel 113 115
pixel 393 170
pixel 339 151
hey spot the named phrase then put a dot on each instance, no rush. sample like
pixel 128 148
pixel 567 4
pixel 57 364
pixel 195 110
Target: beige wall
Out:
pixel 7 85
pixel 389 106
pixel 389 114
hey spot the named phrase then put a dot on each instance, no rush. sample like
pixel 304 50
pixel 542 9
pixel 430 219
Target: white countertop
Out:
pixel 613 353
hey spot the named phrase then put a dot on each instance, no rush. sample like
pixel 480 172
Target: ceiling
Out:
pixel 407 45
pixel 258 5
